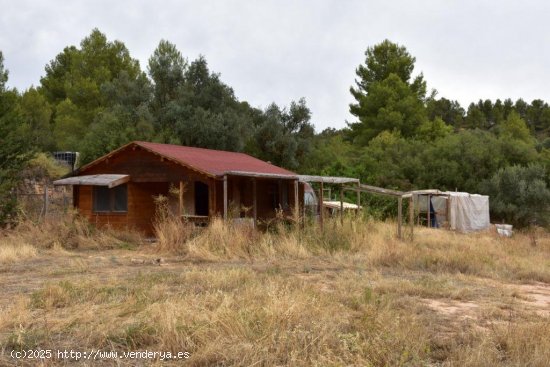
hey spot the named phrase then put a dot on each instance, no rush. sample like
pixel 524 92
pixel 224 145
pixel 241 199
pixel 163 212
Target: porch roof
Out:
pixel 109 180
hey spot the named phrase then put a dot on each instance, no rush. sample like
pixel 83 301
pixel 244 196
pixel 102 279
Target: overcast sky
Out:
pixel 283 50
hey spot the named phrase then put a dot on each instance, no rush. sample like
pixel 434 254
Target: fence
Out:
pixel 44 201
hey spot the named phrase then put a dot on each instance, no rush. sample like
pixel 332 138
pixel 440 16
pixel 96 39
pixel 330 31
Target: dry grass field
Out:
pixel 353 295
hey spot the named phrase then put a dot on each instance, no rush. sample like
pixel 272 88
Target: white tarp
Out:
pixel 336 205
pixel 467 212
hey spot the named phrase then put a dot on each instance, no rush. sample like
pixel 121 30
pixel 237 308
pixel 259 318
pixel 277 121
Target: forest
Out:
pixel 95 97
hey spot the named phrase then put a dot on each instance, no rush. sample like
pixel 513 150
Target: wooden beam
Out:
pixel 255 203
pixel 225 197
pixel 261 175
pixel 327 179
pixel 321 207
pixel 181 199
pixel 375 190
pixel 399 216
pixel 342 204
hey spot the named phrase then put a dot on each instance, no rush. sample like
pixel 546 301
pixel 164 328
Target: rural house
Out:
pixel 119 188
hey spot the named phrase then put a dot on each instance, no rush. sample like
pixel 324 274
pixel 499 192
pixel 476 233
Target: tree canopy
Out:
pixel 94 97
pixel 387 98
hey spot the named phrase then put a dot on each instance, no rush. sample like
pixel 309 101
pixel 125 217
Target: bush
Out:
pixel 519 195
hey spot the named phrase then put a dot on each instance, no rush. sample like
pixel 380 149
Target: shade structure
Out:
pixel 327 179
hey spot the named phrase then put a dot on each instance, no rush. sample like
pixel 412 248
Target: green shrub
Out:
pixel 519 195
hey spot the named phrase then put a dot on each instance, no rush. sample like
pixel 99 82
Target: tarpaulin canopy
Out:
pixel 466 212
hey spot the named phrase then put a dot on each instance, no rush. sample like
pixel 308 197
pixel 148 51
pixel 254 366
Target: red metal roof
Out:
pixel 214 162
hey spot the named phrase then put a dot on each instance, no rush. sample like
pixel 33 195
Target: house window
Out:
pixel 108 200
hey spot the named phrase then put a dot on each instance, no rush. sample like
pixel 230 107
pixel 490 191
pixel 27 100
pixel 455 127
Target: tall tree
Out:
pixel 538 116
pixel 127 118
pixel 74 79
pixel 386 97
pixel 449 111
pixel 13 150
pixel 3 74
pixel 514 127
pixel 36 127
pixel 166 68
pixel 382 60
pixel 475 118
pixel 284 136
pixel 210 114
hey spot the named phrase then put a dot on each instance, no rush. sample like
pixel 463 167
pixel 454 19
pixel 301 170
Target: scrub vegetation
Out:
pixel 95 97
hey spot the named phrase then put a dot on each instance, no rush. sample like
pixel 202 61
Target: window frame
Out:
pixel 112 199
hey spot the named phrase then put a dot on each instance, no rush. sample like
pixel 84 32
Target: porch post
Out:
pixel 225 197
pixel 342 204
pixel 255 203
pixel 358 198
pixel 296 203
pixel 181 199
pixel 321 209
pixel 411 215
pixel 447 211
pixel 429 212
pixel 399 215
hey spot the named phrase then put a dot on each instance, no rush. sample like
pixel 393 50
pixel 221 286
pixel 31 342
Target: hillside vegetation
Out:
pixel 95 97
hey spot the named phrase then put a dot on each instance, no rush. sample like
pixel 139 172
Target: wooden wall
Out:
pixel 141 207
pixel 150 175
pixel 143 166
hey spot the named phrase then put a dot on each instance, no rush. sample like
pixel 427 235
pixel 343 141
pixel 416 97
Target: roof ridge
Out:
pixel 211 162
pixel 139 142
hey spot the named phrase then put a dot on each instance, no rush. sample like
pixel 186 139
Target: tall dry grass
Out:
pixel 69 232
pixel 374 243
pixel 233 313
pixel 13 250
